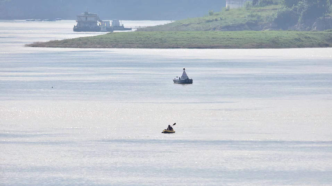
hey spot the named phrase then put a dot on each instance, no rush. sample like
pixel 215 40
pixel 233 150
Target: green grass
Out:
pixel 198 39
pixel 222 20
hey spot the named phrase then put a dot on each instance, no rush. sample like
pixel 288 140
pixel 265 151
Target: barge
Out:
pixel 89 22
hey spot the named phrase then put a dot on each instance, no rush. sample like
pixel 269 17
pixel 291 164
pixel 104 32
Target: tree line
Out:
pixel 296 12
pixel 302 11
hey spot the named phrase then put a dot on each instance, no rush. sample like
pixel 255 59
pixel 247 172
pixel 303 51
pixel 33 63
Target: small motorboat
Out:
pixel 168 131
pixel 184 79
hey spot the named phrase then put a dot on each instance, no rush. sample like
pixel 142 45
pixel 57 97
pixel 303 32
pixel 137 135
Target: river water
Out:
pixel 95 116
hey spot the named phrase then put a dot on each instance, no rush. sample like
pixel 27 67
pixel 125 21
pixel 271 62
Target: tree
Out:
pixel 314 9
pixel 286 18
pixel 309 9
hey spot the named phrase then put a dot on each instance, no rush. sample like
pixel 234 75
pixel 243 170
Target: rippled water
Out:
pixel 252 117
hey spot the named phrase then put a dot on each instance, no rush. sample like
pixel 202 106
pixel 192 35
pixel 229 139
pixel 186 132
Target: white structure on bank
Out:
pixel 236 3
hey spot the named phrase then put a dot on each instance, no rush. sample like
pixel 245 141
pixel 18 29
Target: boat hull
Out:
pixel 168 131
pixel 87 29
pixel 186 81
pixel 120 28
pixel 91 29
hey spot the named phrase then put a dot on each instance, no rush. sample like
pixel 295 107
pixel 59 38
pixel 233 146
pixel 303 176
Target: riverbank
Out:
pixel 195 39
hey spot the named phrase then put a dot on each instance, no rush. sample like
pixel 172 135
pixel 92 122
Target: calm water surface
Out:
pixel 251 118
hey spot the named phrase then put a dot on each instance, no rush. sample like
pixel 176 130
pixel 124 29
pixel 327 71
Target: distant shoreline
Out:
pixel 198 40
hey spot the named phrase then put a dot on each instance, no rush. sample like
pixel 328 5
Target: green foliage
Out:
pixel 262 3
pixel 224 9
pixel 313 9
pixel 306 10
pixel 257 17
pixel 254 2
pixel 223 20
pixel 286 18
pixel 248 5
pixel 290 3
pixel 195 39
pixel 254 16
pixel 270 18
pixel 300 7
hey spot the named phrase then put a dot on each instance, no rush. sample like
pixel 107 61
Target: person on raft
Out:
pixel 169 127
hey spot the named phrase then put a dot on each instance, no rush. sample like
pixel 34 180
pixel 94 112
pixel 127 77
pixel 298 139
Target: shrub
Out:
pixel 211 12
pixel 255 17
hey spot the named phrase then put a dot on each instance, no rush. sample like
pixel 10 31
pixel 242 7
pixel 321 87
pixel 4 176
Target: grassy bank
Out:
pixel 196 39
